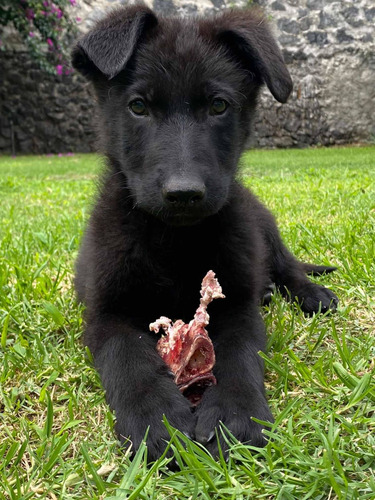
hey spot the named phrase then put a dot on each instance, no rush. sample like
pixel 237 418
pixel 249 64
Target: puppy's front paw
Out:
pixel 133 420
pixel 219 405
pixel 314 298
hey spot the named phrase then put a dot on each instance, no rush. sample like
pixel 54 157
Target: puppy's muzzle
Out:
pixel 183 196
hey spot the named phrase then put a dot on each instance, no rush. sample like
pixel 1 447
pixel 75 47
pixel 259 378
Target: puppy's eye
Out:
pixel 218 106
pixel 138 107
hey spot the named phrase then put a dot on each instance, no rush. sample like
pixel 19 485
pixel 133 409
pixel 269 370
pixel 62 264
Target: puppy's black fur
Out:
pixel 176 99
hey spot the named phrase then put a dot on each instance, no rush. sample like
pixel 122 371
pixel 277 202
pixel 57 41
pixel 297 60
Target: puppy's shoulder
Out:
pixel 246 202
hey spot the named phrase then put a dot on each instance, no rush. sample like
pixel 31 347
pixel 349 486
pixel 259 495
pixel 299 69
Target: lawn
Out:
pixel 56 432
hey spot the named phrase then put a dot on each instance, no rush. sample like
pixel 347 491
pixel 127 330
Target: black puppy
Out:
pixel 176 98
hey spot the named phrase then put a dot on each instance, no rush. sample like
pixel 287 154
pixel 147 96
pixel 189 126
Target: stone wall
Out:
pixel 330 50
pixel 43 113
pixel 329 47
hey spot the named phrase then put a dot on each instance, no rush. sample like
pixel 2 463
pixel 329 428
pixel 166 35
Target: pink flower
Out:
pixel 45 3
pixel 59 13
pixel 30 14
pixel 73 2
pixel 31 34
pixel 50 42
pixel 78 19
pixel 60 154
pixel 59 69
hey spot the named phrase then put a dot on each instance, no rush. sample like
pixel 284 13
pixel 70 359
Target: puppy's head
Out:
pixel 177 97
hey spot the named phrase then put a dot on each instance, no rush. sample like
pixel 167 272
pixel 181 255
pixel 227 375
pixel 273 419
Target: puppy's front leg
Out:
pixel 239 394
pixel 138 386
pixel 288 274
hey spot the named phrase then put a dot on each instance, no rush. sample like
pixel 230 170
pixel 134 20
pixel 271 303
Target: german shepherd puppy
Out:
pixel 176 99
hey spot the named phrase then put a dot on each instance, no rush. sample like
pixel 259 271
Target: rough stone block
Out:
pixel 370 14
pixel 343 37
pixel 315 4
pixel 317 37
pixel 288 26
pixel 277 6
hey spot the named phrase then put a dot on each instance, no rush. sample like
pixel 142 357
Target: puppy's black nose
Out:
pixel 184 194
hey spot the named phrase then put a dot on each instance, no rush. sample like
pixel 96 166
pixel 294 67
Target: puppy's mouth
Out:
pixel 181 216
pixel 183 219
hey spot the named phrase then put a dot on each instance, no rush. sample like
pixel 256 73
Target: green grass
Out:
pixel 56 438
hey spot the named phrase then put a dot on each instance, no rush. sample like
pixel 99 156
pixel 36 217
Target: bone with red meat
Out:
pixel 187 348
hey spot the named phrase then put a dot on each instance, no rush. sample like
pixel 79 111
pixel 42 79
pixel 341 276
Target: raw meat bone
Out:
pixel 187 348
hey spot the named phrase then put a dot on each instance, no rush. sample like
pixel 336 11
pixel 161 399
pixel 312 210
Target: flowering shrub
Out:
pixel 45 27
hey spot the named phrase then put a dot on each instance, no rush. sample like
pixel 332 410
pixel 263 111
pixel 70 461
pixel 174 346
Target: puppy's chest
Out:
pixel 177 281
pixel 166 277
pixel 164 270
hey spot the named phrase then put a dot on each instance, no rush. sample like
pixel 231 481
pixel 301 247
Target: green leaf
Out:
pixel 55 314
pixel 5 331
pixel 92 469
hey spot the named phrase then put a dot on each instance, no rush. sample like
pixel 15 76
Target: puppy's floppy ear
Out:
pixel 247 34
pixel 111 43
